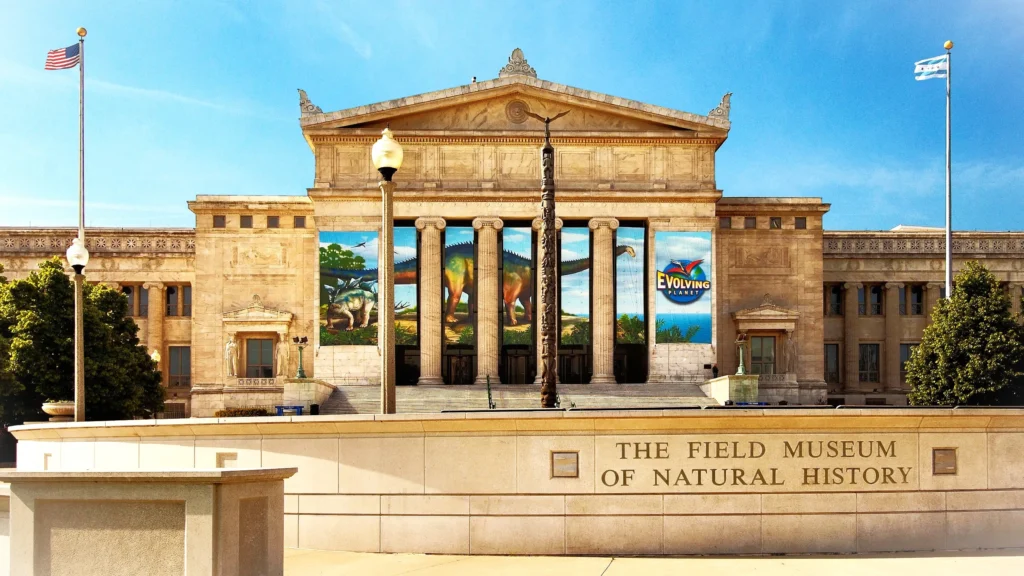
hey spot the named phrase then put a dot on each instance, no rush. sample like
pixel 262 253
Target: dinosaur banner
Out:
pixel 348 287
pixel 682 280
pixel 517 285
pixel 629 285
pixel 459 281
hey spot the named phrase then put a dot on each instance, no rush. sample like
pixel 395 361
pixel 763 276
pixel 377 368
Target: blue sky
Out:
pixel 198 97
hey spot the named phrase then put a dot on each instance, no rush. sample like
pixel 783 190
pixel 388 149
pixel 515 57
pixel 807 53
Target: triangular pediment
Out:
pixel 256 312
pixel 767 311
pixel 500 105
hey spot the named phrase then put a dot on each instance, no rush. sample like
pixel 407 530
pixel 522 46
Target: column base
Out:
pixel 482 380
pixel 602 379
pixel 430 381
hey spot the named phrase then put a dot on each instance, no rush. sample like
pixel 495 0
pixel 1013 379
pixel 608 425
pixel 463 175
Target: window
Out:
pixel 775 223
pixel 129 292
pixel 905 351
pixel 833 300
pixel 186 300
pixel 172 300
pixel 180 368
pixel 762 355
pixel 143 302
pixel 259 358
pixel 299 222
pixel 832 372
pixel 725 222
pixel 245 222
pixel 800 223
pixel 750 222
pixel 869 300
pixel 219 221
pixel 916 299
pixel 273 221
pixel 868 362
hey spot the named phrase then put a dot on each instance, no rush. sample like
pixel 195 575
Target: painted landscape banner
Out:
pixel 459 284
pixel 517 285
pixel 348 287
pixel 629 285
pixel 682 280
pixel 575 285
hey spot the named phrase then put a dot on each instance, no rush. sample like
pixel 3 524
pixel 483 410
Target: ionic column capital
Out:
pixel 610 223
pixel 853 285
pixel 936 285
pixel 488 222
pixel 153 285
pixel 538 223
pixel 893 285
pixel 423 223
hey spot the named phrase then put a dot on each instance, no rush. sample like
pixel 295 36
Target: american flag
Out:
pixel 62 58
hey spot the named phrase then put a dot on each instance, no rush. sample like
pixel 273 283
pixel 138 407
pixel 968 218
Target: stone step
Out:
pixel 363 399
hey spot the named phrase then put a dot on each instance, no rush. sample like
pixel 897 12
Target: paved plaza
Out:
pixel 321 563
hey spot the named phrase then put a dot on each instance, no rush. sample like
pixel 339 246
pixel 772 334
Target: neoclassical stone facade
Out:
pixel 821 316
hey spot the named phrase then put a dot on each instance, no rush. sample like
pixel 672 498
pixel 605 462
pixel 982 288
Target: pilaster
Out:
pixel 893 333
pixel 934 293
pixel 1015 298
pixel 430 299
pixel 538 299
pixel 487 298
pixel 602 318
pixel 155 322
pixel 851 344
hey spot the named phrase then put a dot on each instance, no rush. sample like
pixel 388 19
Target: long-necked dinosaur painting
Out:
pixel 458 278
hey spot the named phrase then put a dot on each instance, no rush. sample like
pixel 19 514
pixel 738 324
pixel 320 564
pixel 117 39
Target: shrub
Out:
pixel 239 412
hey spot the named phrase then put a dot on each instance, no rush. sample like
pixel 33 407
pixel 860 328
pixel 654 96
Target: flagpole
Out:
pixel 81 135
pixel 949 195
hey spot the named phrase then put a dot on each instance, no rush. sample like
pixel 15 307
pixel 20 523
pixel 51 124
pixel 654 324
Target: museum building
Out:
pixel 663 279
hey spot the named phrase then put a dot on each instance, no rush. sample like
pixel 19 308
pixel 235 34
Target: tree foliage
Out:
pixel 334 256
pixel 37 350
pixel 972 353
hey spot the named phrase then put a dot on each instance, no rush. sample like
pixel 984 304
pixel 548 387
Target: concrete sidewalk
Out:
pixel 320 563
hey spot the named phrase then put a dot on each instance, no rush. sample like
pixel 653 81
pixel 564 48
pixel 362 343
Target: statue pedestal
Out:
pixel 735 388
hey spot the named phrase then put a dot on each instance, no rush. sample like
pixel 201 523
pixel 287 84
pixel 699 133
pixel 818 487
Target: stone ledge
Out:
pixel 219 476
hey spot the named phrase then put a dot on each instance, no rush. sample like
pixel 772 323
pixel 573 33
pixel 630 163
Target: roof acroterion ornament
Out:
pixel 517 66
pixel 306 107
pixel 722 110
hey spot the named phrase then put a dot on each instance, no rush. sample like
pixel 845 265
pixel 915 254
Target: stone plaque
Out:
pixel 565 464
pixel 943 461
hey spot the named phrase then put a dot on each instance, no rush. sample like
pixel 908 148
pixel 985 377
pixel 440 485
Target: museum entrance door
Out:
pixel 407 365
pixel 630 363
pixel 518 364
pixel 458 365
pixel 575 365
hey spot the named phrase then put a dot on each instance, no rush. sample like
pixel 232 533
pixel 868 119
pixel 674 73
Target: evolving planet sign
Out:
pixel 683 283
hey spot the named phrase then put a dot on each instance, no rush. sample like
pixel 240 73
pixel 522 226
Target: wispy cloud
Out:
pixel 331 20
pixel 21 75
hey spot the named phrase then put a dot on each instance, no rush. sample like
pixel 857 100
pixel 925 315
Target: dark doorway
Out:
pixel 518 364
pixel 407 365
pixel 458 365
pixel 574 364
pixel 630 363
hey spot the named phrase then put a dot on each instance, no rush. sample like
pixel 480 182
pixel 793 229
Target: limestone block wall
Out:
pixel 666 482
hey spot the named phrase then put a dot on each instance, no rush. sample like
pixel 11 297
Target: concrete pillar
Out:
pixel 155 322
pixel 602 317
pixel 933 294
pixel 851 344
pixel 487 298
pixel 386 300
pixel 430 299
pixel 893 334
pixel 538 303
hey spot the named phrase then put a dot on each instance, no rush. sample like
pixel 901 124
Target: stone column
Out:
pixel 934 293
pixel 1014 298
pixel 893 333
pixel 155 321
pixel 430 294
pixel 602 316
pixel 851 345
pixel 538 302
pixel 487 297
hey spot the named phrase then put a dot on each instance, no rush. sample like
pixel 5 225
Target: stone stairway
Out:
pixel 350 399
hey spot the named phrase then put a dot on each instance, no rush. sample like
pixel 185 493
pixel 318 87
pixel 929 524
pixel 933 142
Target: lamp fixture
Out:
pixel 78 255
pixel 387 155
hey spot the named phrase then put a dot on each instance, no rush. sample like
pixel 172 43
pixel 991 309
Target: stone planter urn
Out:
pixel 60 410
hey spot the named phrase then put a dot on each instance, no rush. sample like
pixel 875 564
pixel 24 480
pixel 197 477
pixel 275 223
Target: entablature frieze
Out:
pixel 881 245
pixel 116 241
pixel 503 195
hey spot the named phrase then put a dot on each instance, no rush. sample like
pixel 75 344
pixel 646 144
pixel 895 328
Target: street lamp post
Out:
pixel 387 159
pixel 301 343
pixel 78 257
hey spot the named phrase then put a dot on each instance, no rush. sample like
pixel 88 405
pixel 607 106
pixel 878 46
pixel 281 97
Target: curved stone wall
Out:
pixel 595 482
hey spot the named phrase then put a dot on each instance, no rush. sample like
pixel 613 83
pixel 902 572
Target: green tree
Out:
pixel 334 256
pixel 37 350
pixel 673 334
pixel 972 353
